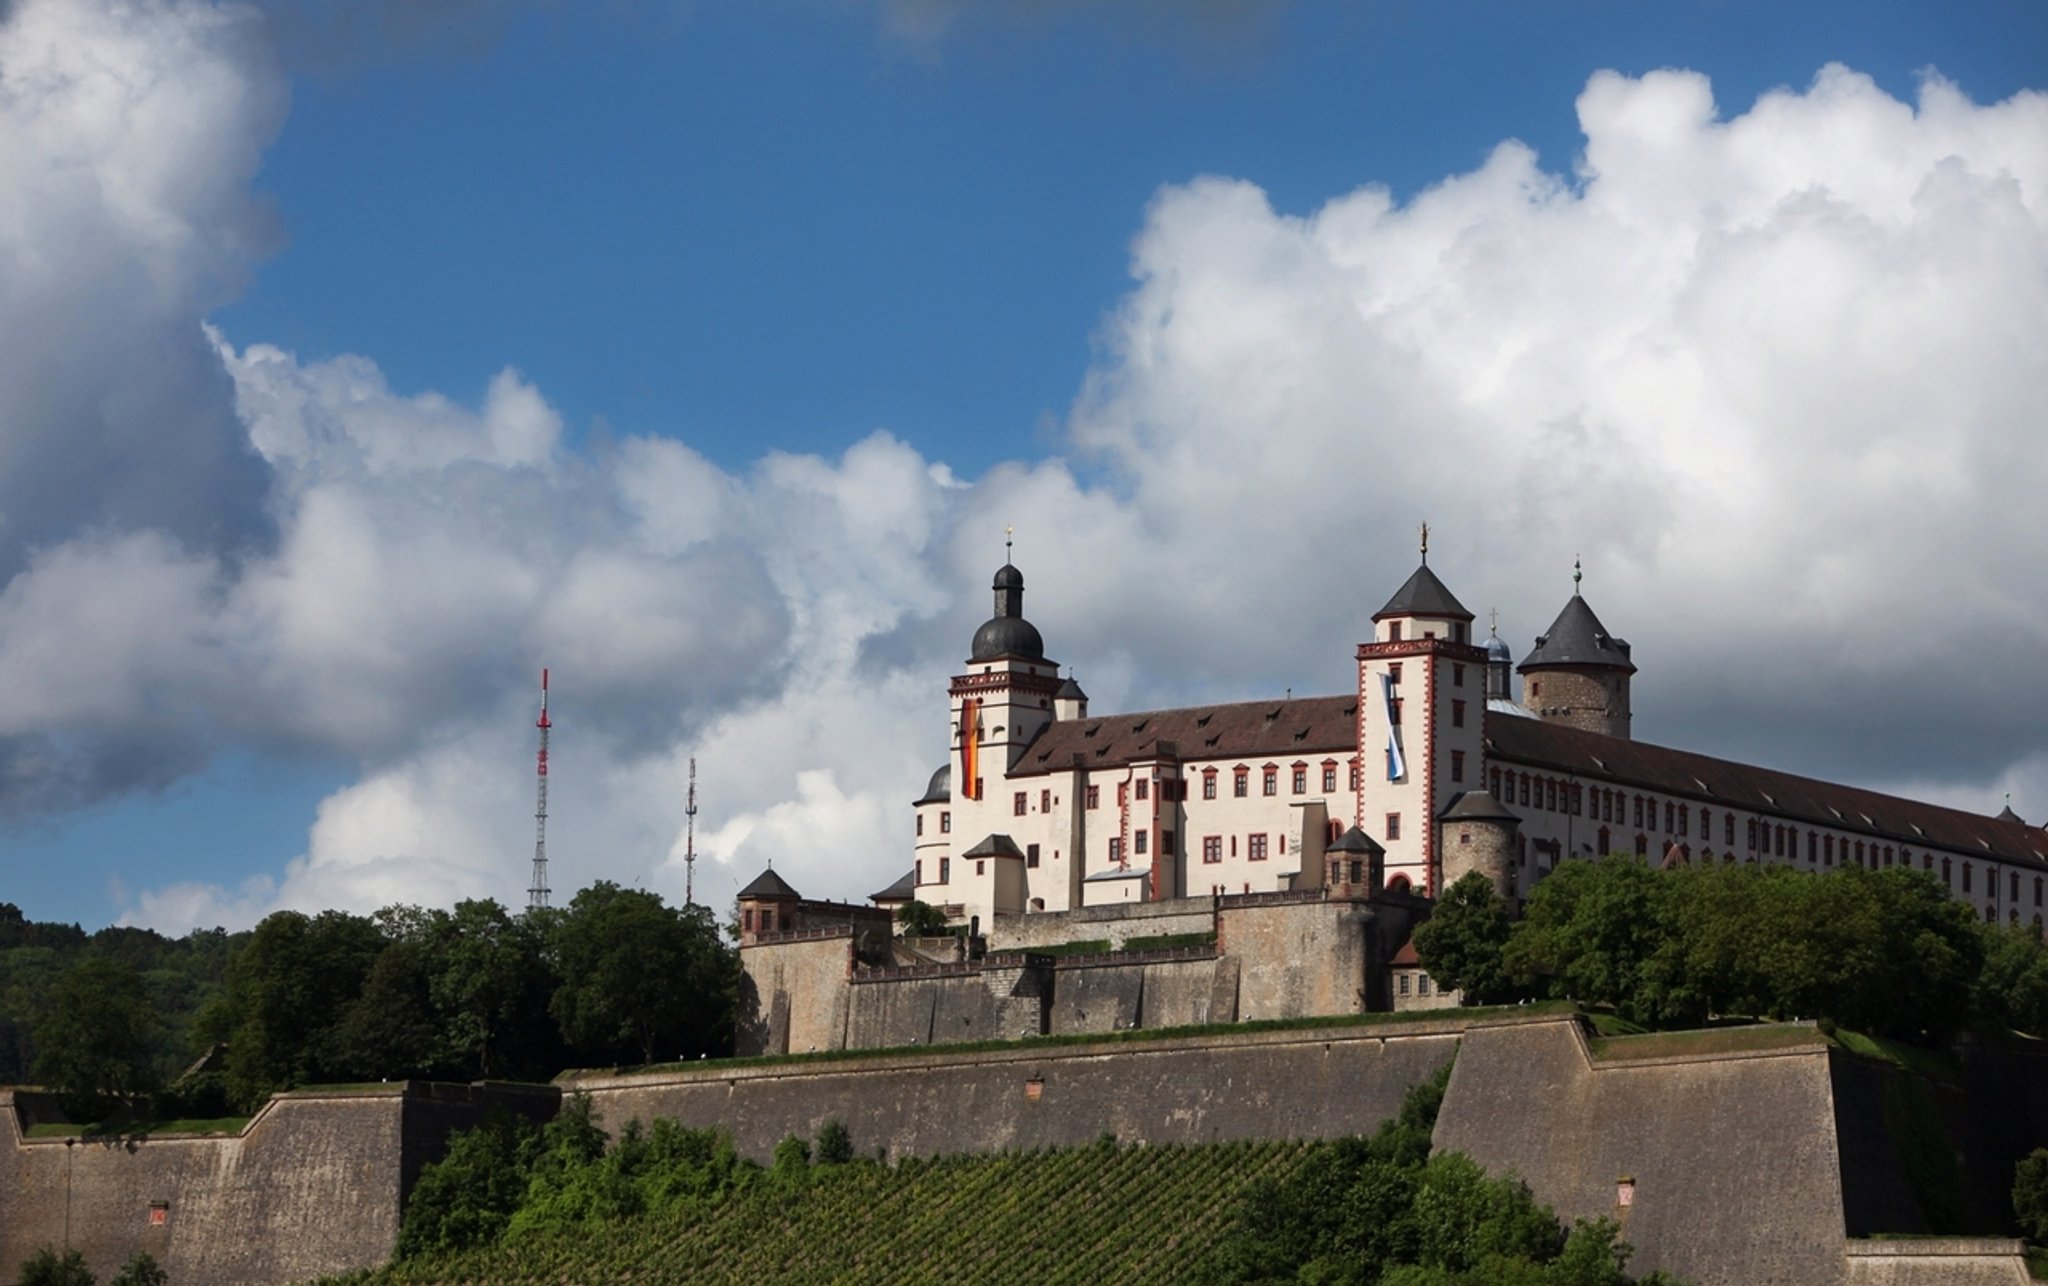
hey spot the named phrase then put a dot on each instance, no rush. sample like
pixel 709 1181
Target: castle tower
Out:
pixel 1578 674
pixel 767 905
pixel 1477 833
pixel 1005 698
pixel 1421 708
pixel 1069 702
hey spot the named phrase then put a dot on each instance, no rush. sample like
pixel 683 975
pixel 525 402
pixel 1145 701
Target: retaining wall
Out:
pixel 312 1186
pixel 1240 1085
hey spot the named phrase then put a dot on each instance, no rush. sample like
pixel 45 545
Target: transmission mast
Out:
pixel 537 896
pixel 690 840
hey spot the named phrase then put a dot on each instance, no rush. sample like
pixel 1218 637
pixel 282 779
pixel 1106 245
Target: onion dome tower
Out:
pixel 1005 699
pixel 1578 673
pixel 1500 663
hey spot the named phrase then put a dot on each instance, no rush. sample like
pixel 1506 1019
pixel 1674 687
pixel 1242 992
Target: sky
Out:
pixel 365 357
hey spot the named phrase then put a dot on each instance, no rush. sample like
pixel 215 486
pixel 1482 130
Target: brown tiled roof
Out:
pixel 1250 730
pixel 1717 782
pixel 1406 956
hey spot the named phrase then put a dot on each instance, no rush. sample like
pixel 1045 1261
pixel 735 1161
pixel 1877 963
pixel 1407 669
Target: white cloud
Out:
pixel 1776 376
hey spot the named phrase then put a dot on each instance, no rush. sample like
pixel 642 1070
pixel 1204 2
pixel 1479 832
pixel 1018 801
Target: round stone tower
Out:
pixel 1478 834
pixel 1578 674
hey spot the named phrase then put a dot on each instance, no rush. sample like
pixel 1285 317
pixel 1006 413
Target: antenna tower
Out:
pixel 537 896
pixel 690 842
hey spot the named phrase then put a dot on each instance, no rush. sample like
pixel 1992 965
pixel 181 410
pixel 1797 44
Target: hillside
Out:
pixel 1142 1214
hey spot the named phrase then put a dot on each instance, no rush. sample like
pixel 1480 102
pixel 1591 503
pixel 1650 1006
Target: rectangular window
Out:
pixel 2015 884
pixel 1394 671
pixel 1394 711
pixel 981 866
pixel 1138 841
pixel 1393 631
pixel 920 823
pixel 1255 847
pixel 1422 984
pixel 1116 850
pixel 1271 782
pixel 1457 676
pixel 1044 801
pixel 920 870
pixel 1208 785
pixel 1031 856
pixel 1092 797
pixel 1166 844
pixel 1639 810
pixel 1524 779
pixel 1393 826
pixel 1329 778
pixel 1301 780
pixel 1684 820
pixel 1144 789
pixel 946 823
pixel 1966 877
pixel 945 870
pixel 1212 848
pixel 1404 984
pixel 1238 782
pixel 1670 816
pixel 1018 805
pixel 747 921
pixel 1457 714
pixel 1727 828
pixel 1457 765
pixel 1354 777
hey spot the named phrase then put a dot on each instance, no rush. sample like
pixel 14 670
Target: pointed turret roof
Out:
pixel 769 885
pixel 1423 595
pixel 1479 806
pixel 1354 841
pixel 1577 637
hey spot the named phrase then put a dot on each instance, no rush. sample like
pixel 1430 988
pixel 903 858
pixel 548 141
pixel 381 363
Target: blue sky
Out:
pixel 770 230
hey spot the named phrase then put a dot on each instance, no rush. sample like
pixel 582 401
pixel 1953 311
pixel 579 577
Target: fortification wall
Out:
pixel 1091 999
pixel 1118 923
pixel 1299 958
pixel 794 996
pixel 1737 1178
pixel 313 1186
pixel 1287 1084
pixel 1936 1261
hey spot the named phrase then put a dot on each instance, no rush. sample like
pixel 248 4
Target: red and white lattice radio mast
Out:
pixel 537 896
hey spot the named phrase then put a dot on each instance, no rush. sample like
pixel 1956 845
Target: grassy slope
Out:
pixel 1082 1215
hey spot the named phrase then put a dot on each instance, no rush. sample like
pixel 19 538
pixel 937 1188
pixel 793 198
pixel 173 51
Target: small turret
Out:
pixel 1478 834
pixel 1578 673
pixel 1500 664
pixel 1069 702
pixel 767 905
pixel 1356 864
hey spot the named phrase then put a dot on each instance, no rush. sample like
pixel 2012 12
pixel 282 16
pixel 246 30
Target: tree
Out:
pixel 2030 1195
pixel 638 976
pixel 391 1028
pixel 488 978
pixel 835 1143
pixel 920 919
pixel 1590 931
pixel 48 1268
pixel 95 1035
pixel 141 1270
pixel 1462 944
pixel 2012 988
pixel 467 1197
pixel 289 990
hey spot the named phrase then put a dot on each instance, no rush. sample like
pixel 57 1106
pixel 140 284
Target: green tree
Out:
pixel 289 991
pixel 2012 988
pixel 2030 1195
pixel 467 1197
pixel 1463 943
pixel 835 1143
pixel 1590 931
pixel 639 977
pixel 48 1268
pixel 391 1029
pixel 920 919
pixel 141 1270
pixel 488 978
pixel 95 1035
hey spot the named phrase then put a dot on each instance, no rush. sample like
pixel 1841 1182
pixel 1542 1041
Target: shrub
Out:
pixel 835 1145
pixel 143 1270
pixel 2030 1195
pixel 792 1155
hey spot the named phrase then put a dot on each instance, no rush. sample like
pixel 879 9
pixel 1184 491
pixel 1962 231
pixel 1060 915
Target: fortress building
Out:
pixel 1433 757
pixel 1268 859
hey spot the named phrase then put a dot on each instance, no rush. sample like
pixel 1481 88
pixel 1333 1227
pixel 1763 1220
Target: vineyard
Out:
pixel 1104 1213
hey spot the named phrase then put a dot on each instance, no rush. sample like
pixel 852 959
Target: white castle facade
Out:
pixel 1432 765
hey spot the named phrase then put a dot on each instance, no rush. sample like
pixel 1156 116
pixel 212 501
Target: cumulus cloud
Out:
pixel 1773 375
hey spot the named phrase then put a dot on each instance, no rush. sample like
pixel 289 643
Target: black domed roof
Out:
pixel 1007 636
pixel 1577 638
pixel 1007 633
pixel 940 791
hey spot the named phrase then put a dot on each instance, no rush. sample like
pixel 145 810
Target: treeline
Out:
pixel 616 977
pixel 561 1202
pixel 1887 952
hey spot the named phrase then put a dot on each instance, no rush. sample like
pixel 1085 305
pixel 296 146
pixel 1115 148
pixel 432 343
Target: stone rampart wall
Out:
pixel 793 995
pixel 1736 1174
pixel 1285 1084
pixel 312 1186
pixel 1118 923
